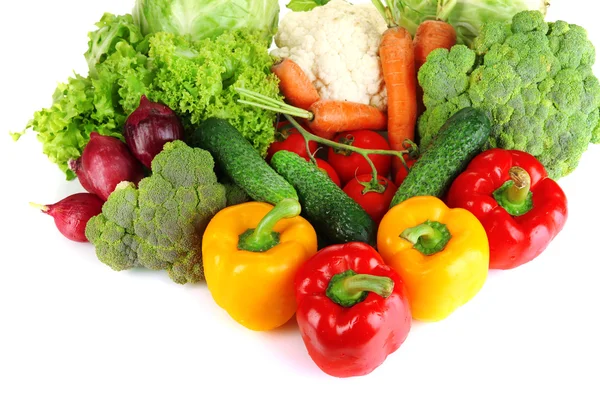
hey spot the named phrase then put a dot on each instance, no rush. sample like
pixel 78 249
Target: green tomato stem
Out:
pixel 289 112
pixel 363 152
pixel 263 238
pixel 373 186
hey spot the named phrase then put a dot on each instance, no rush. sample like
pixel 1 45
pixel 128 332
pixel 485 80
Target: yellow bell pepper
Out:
pixel 251 253
pixel 442 254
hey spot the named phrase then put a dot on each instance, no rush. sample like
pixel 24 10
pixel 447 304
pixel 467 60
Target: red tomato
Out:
pixel 350 165
pixel 288 138
pixel 402 172
pixel 375 204
pixel 324 166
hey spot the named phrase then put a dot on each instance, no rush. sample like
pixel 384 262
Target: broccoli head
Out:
pixel 534 80
pixel 159 224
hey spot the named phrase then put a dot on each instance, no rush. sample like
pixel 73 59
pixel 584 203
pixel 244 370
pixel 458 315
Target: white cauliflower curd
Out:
pixel 336 45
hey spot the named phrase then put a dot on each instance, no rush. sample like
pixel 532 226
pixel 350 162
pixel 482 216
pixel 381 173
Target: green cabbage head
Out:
pixel 199 19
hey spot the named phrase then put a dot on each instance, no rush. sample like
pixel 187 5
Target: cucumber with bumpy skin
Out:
pixel 333 214
pixel 460 139
pixel 241 162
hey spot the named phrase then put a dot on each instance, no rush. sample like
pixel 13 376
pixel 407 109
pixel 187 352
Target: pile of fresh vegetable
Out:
pixel 368 172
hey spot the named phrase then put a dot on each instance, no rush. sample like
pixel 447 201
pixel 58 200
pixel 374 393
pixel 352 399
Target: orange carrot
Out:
pixel 398 65
pixel 431 35
pixel 294 84
pixel 324 118
pixel 332 116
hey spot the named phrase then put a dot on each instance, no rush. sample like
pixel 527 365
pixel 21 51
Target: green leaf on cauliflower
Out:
pixel 305 5
pixel 160 224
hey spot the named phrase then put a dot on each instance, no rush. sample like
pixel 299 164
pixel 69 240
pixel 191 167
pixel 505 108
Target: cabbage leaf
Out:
pixel 199 19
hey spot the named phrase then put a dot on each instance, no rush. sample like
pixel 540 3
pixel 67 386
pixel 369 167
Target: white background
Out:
pixel 71 328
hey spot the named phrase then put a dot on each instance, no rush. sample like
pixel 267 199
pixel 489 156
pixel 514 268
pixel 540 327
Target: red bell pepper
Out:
pixel 352 309
pixel 521 209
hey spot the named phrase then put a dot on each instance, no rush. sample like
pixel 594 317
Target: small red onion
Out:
pixel 149 127
pixel 105 162
pixel 72 213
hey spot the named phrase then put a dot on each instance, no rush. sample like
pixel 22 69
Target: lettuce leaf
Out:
pixel 195 79
pixel 198 79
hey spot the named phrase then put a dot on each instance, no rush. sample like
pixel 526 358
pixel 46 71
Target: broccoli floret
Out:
pixel 159 225
pixel 534 80
pixel 446 79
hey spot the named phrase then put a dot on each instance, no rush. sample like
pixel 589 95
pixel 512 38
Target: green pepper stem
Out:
pixel 263 238
pixel 429 237
pixel 515 195
pixel 518 191
pixel 349 288
pixel 424 232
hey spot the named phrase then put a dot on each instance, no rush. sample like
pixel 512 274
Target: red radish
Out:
pixel 72 213
pixel 328 169
pixel 149 127
pixel 105 162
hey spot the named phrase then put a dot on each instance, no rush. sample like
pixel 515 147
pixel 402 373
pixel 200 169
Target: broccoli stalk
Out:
pixel 159 225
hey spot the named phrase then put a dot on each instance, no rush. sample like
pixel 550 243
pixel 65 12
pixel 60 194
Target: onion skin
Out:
pixel 72 214
pixel 105 162
pixel 149 127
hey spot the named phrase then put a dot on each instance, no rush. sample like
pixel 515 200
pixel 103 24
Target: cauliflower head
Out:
pixel 160 224
pixel 533 78
pixel 336 45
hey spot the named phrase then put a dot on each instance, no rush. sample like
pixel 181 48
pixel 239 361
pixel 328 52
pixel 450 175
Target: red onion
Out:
pixel 105 162
pixel 72 213
pixel 149 127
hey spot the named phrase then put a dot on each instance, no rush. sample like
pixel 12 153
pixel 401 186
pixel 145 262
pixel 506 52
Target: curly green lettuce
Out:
pixel 99 102
pixel 195 79
pixel 533 78
pixel 159 225
pixel 198 79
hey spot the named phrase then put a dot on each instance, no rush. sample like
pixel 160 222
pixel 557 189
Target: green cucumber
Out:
pixel 460 139
pixel 236 157
pixel 333 214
